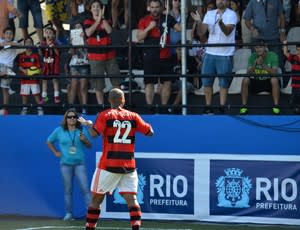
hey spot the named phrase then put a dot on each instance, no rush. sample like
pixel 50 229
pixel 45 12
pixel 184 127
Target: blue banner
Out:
pixel 165 186
pixel 255 188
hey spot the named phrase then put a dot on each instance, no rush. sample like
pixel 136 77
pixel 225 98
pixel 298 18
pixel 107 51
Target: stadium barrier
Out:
pixel 203 168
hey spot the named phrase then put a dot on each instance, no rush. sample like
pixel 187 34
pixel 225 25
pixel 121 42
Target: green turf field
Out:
pixel 20 223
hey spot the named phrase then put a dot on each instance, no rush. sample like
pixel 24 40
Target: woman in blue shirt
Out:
pixel 72 139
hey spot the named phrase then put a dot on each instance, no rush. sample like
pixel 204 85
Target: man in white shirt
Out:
pixel 220 23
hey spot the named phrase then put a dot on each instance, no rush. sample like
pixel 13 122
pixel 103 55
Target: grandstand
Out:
pixel 195 102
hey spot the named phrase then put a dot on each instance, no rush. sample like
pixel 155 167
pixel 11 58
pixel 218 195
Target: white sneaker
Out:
pixel 91 90
pixel 24 111
pixel 10 72
pixel 40 111
pixel 68 217
pixel 3 112
pixel 11 92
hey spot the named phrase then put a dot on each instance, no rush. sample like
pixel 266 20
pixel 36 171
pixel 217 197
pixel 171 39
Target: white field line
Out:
pixel 78 227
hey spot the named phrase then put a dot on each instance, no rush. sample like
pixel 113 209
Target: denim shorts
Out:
pixel 215 64
pixel 34 6
pixel 80 70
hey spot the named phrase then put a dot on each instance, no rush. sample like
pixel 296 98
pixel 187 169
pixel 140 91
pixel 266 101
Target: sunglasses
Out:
pixel 72 117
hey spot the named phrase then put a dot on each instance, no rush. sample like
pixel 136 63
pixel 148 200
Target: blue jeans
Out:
pixel 68 172
pixel 214 64
pixel 34 6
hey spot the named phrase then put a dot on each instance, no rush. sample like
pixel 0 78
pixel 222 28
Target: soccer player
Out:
pixel 116 167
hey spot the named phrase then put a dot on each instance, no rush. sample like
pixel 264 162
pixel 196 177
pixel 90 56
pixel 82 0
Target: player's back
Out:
pixel 118 128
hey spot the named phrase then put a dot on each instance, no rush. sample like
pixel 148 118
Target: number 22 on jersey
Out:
pixel 122 125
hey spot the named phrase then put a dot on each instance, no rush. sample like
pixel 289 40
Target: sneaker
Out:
pixel 123 27
pixel 40 111
pixel 276 110
pixel 64 90
pixel 3 112
pixel 208 110
pixel 44 100
pixel 244 111
pixel 57 100
pixel 68 217
pixel 24 111
pixel 92 90
pixel 11 92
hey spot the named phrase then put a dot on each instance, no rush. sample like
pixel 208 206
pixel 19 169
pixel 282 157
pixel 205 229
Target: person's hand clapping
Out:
pixel 196 16
pixel 152 25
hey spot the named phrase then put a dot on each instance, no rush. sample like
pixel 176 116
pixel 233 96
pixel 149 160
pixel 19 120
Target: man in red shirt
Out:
pixel 116 167
pixel 154 29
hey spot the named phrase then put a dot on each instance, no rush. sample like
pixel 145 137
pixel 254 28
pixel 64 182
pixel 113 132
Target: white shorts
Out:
pixel 5 83
pixel 26 88
pixel 106 182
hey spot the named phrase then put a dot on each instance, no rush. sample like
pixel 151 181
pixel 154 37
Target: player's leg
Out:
pixel 134 211
pixel 128 189
pixel 67 175
pixel 93 212
pixel 103 182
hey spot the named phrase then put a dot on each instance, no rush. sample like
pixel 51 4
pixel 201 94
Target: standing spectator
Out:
pixel 262 19
pixel 199 6
pixel 220 24
pixel 29 64
pixel 56 13
pixel 72 139
pixel 235 6
pixel 294 59
pixel 79 65
pixel 264 62
pixel 175 12
pixel 287 8
pixel 102 60
pixel 11 18
pixel 191 83
pixel 51 64
pixel 115 13
pixel 7 57
pixel 210 5
pixel 78 7
pixel 154 30
pixel 197 51
pixel 34 6
pixel 5 9
pixel 117 167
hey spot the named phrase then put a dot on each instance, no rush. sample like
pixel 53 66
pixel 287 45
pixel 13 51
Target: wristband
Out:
pixel 90 123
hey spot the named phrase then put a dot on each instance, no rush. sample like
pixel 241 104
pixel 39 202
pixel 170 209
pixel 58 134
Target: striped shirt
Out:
pixel 295 61
pixel 118 128
pixel 99 38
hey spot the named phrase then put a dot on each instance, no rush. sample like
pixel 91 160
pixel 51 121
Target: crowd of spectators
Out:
pixel 157 22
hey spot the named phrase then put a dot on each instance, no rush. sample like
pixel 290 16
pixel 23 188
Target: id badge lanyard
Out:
pixel 72 149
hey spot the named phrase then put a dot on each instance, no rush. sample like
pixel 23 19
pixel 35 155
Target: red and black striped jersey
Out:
pixel 154 35
pixel 118 128
pixel 295 61
pixel 99 38
pixel 51 60
pixel 26 61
